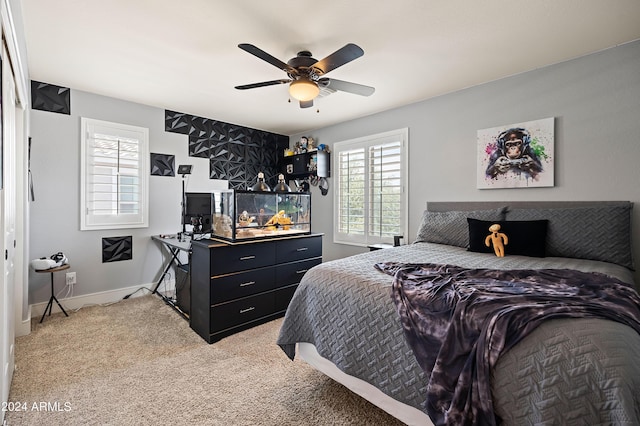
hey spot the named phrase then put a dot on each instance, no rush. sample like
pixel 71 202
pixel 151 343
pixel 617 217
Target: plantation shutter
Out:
pixel 115 175
pixel 385 186
pixel 370 194
pixel 352 193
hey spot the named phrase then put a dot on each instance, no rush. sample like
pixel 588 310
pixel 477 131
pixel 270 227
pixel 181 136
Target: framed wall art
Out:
pixel 519 155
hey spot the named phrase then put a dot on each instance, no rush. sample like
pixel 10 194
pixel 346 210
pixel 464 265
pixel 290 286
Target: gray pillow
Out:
pixel 595 233
pixel 451 227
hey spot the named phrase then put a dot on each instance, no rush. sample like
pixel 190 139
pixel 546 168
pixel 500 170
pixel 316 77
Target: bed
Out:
pixel 343 320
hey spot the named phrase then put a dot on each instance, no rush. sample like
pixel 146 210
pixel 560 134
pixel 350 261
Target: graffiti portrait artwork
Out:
pixel 516 156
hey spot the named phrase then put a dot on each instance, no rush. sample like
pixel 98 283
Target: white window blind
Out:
pixel 371 196
pixel 115 171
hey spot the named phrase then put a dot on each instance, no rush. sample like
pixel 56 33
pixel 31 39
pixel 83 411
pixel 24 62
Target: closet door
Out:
pixel 8 225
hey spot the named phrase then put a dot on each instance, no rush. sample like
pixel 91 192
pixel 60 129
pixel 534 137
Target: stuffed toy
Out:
pixel 279 219
pixel 498 239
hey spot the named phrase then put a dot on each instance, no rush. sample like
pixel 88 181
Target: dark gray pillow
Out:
pixel 451 227
pixel 595 233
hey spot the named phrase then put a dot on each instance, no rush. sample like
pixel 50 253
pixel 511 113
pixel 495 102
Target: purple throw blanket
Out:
pixel 458 321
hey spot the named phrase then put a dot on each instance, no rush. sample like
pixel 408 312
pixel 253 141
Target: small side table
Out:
pixel 53 297
pixel 374 247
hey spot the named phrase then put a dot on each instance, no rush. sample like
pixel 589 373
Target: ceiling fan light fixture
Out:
pixel 303 90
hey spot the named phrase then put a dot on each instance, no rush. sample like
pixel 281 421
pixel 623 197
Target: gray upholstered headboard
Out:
pixel 596 230
pixel 444 206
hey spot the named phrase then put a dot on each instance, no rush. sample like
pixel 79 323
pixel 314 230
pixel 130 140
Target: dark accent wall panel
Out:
pixel 51 98
pixel 235 153
pixel 199 147
pixel 177 122
pixel 163 165
pixel 115 249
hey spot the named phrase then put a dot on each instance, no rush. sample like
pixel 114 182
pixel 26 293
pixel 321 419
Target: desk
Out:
pixel 173 247
pixel 53 297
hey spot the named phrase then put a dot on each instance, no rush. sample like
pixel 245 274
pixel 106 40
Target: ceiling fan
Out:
pixel 306 74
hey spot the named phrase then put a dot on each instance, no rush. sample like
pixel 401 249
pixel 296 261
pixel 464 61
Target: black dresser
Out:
pixel 235 286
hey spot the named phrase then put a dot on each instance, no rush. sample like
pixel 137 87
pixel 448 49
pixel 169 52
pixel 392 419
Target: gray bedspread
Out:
pixel 567 371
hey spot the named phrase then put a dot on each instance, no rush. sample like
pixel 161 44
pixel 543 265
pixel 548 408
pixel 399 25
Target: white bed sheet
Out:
pixel 403 412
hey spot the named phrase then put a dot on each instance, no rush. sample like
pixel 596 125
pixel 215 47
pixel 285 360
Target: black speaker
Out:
pixel 300 165
pixel 183 288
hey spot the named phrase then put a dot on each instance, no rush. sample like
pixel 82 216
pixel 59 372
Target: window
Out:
pixel 114 175
pixel 371 193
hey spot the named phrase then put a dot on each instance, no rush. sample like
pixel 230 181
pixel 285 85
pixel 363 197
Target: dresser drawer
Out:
pixel 283 297
pixel 242 257
pixel 242 284
pixel 298 248
pixel 291 273
pixel 240 311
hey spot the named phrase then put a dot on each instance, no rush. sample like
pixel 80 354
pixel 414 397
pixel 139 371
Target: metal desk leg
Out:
pixel 174 258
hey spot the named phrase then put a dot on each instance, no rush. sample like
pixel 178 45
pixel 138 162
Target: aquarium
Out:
pixel 242 215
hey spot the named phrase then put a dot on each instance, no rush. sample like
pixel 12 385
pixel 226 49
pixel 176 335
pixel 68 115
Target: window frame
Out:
pixel 140 219
pixel 367 142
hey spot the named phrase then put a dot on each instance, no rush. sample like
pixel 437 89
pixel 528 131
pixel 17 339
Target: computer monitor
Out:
pixel 198 208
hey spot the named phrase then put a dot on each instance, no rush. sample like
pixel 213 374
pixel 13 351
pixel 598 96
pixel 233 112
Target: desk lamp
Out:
pixel 184 169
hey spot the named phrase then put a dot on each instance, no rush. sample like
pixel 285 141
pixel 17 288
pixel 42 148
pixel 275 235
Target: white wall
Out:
pixel 55 216
pixel 595 100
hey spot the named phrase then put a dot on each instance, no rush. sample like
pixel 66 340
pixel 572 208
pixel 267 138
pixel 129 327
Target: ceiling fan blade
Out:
pixel 262 84
pixel 256 51
pixel 338 58
pixel 346 86
pixel 306 104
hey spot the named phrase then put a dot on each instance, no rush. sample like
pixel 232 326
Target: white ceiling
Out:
pixel 183 55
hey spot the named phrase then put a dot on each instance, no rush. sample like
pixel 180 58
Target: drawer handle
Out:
pixel 244 311
pixel 247 283
pixel 247 257
pixel 301 271
pixel 302 249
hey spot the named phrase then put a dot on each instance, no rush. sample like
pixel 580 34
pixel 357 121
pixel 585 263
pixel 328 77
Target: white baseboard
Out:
pixel 100 298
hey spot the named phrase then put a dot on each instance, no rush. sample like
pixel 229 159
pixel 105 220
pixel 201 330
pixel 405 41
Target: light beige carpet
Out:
pixel 137 362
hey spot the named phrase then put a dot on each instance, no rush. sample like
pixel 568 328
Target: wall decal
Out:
pixel 518 155
pixel 115 249
pixel 51 98
pixel 163 164
pixel 235 153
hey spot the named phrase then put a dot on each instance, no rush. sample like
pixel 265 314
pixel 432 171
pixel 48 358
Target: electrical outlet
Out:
pixel 71 278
